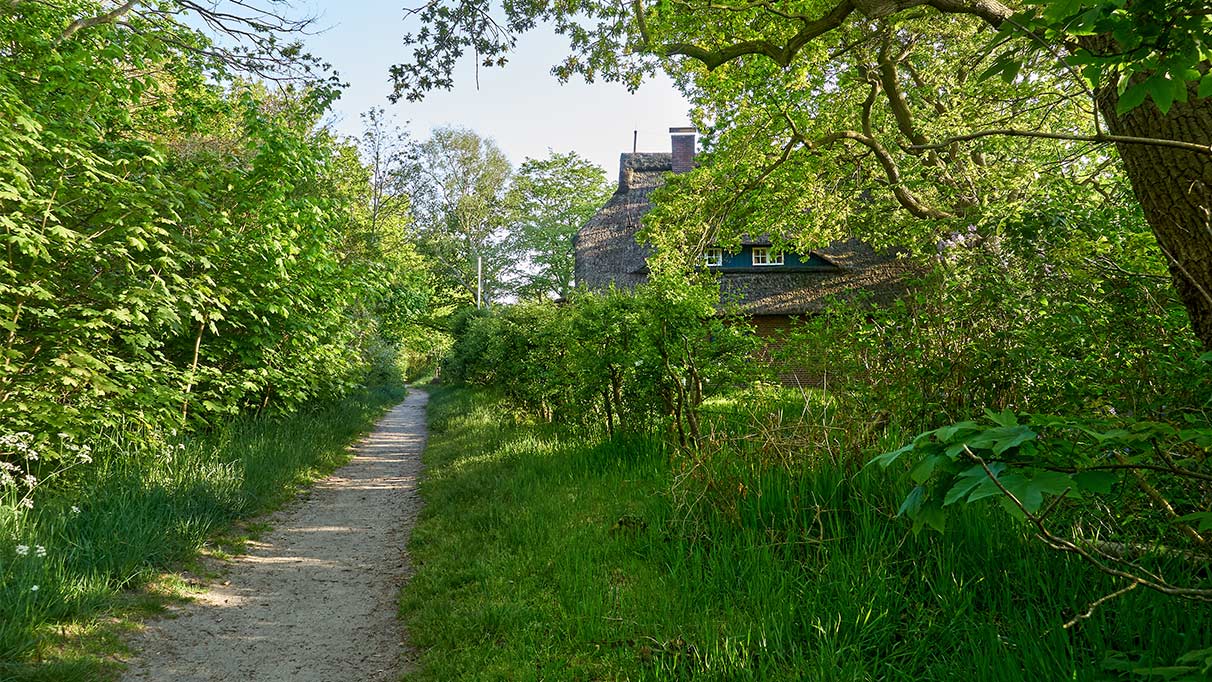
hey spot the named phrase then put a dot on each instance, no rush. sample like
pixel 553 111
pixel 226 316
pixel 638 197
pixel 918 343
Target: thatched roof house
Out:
pixel 606 248
pixel 762 283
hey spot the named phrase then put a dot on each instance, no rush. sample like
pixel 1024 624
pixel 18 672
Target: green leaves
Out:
pixel 1152 49
pixel 1033 458
pixel 174 244
pixel 548 201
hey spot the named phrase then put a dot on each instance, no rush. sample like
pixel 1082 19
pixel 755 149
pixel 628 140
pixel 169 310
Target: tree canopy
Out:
pixel 549 200
pixel 458 181
pixel 1101 73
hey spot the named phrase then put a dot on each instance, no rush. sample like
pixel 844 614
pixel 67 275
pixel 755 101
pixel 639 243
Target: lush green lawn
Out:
pixel 141 513
pixel 547 556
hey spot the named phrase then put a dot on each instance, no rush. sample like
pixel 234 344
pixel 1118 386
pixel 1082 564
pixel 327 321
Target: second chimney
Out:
pixel 683 148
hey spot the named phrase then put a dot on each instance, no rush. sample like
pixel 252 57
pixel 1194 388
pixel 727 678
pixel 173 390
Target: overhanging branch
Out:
pixel 1118 139
pixel 88 22
pixel 780 54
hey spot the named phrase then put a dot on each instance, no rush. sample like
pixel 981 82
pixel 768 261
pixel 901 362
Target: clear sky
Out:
pixel 521 106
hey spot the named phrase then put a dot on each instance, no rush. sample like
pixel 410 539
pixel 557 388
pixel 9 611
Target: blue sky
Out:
pixel 521 106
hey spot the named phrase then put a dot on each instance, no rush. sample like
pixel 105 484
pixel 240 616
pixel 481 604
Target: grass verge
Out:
pixel 110 538
pixel 547 556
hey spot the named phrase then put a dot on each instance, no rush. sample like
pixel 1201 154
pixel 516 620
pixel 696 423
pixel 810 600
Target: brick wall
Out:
pixel 772 329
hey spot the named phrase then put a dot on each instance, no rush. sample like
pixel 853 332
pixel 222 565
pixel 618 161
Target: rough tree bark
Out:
pixel 1174 188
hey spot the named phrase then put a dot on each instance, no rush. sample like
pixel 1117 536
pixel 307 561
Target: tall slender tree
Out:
pixel 550 200
pixel 458 181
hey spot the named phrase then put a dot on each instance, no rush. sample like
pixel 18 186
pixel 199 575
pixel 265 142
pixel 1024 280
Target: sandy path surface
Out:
pixel 315 599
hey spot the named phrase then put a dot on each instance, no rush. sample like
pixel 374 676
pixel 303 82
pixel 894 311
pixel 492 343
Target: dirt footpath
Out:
pixel 315 599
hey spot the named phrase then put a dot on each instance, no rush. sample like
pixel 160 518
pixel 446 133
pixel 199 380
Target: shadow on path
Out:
pixel 315 599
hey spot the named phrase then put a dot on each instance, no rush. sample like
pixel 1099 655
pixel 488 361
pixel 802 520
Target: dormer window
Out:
pixel 762 256
pixel 713 258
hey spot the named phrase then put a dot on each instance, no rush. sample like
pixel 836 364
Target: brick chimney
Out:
pixel 683 148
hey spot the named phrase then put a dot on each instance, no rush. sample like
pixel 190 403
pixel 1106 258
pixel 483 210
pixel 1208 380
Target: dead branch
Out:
pixel 1061 544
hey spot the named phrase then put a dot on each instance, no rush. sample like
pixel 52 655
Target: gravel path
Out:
pixel 315 599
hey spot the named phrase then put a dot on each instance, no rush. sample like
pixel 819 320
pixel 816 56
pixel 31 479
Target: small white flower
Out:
pixel 85 458
pixel 34 588
pixel 40 551
pixel 30 480
pixel 32 455
pixel 22 550
pixel 26 502
pixel 174 432
pixel 75 509
pixel 181 446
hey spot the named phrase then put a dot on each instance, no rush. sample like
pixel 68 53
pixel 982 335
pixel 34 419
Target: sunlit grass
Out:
pixel 548 555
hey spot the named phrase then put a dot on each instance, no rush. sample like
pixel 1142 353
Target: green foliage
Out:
pixel 549 200
pixel 173 247
pixel 1053 309
pixel 457 183
pixel 1036 457
pixel 619 360
pixel 1148 50
pixel 628 560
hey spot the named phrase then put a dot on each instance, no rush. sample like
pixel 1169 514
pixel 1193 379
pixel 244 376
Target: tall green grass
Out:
pixel 136 511
pixel 544 555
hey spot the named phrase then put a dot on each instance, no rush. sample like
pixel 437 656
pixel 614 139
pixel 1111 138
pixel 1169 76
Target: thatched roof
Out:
pixel 607 252
pixel 860 270
pixel 606 248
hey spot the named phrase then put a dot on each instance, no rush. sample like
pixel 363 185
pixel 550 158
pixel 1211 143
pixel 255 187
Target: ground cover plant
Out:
pixel 544 554
pixel 91 556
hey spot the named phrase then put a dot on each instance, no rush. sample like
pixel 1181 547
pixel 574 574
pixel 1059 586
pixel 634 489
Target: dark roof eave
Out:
pixel 775 269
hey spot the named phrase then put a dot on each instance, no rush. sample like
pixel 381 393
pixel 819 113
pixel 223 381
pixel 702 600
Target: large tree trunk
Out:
pixel 1174 187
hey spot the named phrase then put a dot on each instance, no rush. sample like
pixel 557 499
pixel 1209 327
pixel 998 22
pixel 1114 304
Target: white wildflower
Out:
pixel 84 458
pixel 30 480
pixel 26 502
pixel 22 550
pixel 34 588
pixel 40 551
pixel 32 455
pixel 75 509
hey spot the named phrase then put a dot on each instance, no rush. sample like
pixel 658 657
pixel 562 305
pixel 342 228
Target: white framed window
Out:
pixel 762 256
pixel 713 258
